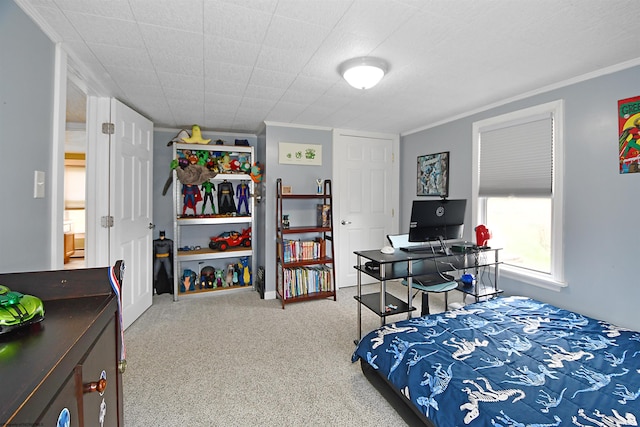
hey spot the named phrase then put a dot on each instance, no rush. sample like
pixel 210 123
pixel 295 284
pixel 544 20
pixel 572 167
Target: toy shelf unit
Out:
pixel 213 219
pixel 305 253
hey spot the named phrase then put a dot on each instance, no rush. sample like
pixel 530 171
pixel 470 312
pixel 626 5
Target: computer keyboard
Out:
pixel 425 250
pixel 419 249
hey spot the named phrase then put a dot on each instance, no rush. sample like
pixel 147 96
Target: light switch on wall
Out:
pixel 38 184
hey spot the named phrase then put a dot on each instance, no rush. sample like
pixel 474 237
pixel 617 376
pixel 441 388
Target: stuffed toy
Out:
pixel 196 136
pixel 195 174
pixel 178 138
pixel 218 278
pixel 256 172
pixel 246 273
pixel 188 281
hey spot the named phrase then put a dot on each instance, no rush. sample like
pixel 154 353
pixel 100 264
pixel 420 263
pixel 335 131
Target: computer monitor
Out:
pixel 436 220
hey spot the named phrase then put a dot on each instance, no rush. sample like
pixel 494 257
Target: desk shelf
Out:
pixel 372 302
pixel 477 291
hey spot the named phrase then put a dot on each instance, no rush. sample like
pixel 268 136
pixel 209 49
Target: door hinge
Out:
pixel 108 128
pixel 106 221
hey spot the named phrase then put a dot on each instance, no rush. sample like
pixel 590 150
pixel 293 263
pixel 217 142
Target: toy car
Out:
pixel 231 238
pixel 18 310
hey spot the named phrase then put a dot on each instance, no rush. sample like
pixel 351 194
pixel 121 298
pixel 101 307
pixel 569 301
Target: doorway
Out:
pixel 74 217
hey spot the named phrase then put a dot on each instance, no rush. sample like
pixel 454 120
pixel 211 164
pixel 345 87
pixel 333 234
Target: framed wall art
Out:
pixel 299 154
pixel 433 175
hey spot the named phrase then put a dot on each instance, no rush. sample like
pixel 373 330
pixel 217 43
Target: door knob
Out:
pixel 343 222
pixel 93 386
pixel 151 226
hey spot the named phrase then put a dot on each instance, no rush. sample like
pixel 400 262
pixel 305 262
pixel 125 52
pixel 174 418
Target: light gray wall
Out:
pixel 600 225
pixel 261 210
pixel 162 205
pixel 301 178
pixel 26 117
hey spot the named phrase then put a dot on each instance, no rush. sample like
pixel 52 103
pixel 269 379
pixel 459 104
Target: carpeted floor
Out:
pixel 235 360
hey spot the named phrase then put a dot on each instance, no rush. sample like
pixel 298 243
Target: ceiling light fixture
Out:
pixel 364 72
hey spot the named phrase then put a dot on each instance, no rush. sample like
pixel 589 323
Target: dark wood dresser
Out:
pixel 69 365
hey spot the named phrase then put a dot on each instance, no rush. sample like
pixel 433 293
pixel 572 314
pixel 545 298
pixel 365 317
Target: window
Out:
pixel 517 187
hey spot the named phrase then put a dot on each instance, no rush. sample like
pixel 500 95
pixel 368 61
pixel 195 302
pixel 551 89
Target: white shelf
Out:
pixel 206 254
pixel 213 221
pixel 186 259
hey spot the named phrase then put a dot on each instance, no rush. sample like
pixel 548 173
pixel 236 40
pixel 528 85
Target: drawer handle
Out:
pixel 98 386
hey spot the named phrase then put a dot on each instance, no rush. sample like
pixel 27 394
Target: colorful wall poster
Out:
pixel 629 132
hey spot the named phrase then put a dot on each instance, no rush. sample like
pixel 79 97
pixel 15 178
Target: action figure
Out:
pixel 245 278
pixel 230 273
pixel 218 278
pixel 208 187
pixel 162 250
pixel 192 196
pixel 225 198
pixel 243 193
pixel 188 281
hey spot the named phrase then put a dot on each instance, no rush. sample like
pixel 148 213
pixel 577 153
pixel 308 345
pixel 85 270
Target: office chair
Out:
pixel 433 283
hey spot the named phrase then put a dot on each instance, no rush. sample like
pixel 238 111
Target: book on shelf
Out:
pixel 306 280
pixel 302 250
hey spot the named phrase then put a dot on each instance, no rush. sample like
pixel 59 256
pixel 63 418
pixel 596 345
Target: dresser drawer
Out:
pixel 64 408
pixel 89 397
pixel 101 407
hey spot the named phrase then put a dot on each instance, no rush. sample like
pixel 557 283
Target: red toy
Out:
pixel 482 235
pixel 231 238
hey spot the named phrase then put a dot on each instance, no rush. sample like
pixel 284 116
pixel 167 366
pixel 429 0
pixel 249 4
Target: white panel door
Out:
pixel 131 179
pixel 366 188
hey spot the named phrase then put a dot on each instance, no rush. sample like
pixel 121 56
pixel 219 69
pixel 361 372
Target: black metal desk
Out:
pixel 408 265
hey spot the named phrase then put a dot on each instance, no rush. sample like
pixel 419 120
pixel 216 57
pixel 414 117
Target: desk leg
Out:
pixel 496 268
pixel 425 304
pixel 409 287
pixel 359 286
pixel 383 295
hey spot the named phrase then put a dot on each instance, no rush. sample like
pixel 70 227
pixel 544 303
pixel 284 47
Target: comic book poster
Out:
pixel 629 132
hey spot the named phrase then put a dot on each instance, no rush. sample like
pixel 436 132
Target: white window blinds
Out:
pixel 517 160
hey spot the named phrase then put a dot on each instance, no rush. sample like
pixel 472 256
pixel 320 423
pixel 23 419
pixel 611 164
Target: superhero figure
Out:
pixel 208 187
pixel 162 250
pixel 243 193
pixel 192 196
pixel 225 198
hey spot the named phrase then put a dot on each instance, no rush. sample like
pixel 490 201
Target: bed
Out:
pixel 509 361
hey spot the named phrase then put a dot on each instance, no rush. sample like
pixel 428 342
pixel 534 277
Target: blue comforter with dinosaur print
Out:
pixel 511 361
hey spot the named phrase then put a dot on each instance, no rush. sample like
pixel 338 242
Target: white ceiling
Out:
pixel 230 65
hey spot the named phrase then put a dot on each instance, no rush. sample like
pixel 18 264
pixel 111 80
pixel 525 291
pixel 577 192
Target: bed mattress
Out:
pixel 510 361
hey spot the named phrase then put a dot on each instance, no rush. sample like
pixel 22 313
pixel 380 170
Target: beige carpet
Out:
pixel 235 360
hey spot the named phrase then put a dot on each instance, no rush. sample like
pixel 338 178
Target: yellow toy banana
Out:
pixel 196 136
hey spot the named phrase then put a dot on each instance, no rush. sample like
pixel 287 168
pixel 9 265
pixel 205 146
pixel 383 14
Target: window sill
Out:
pixel 536 279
